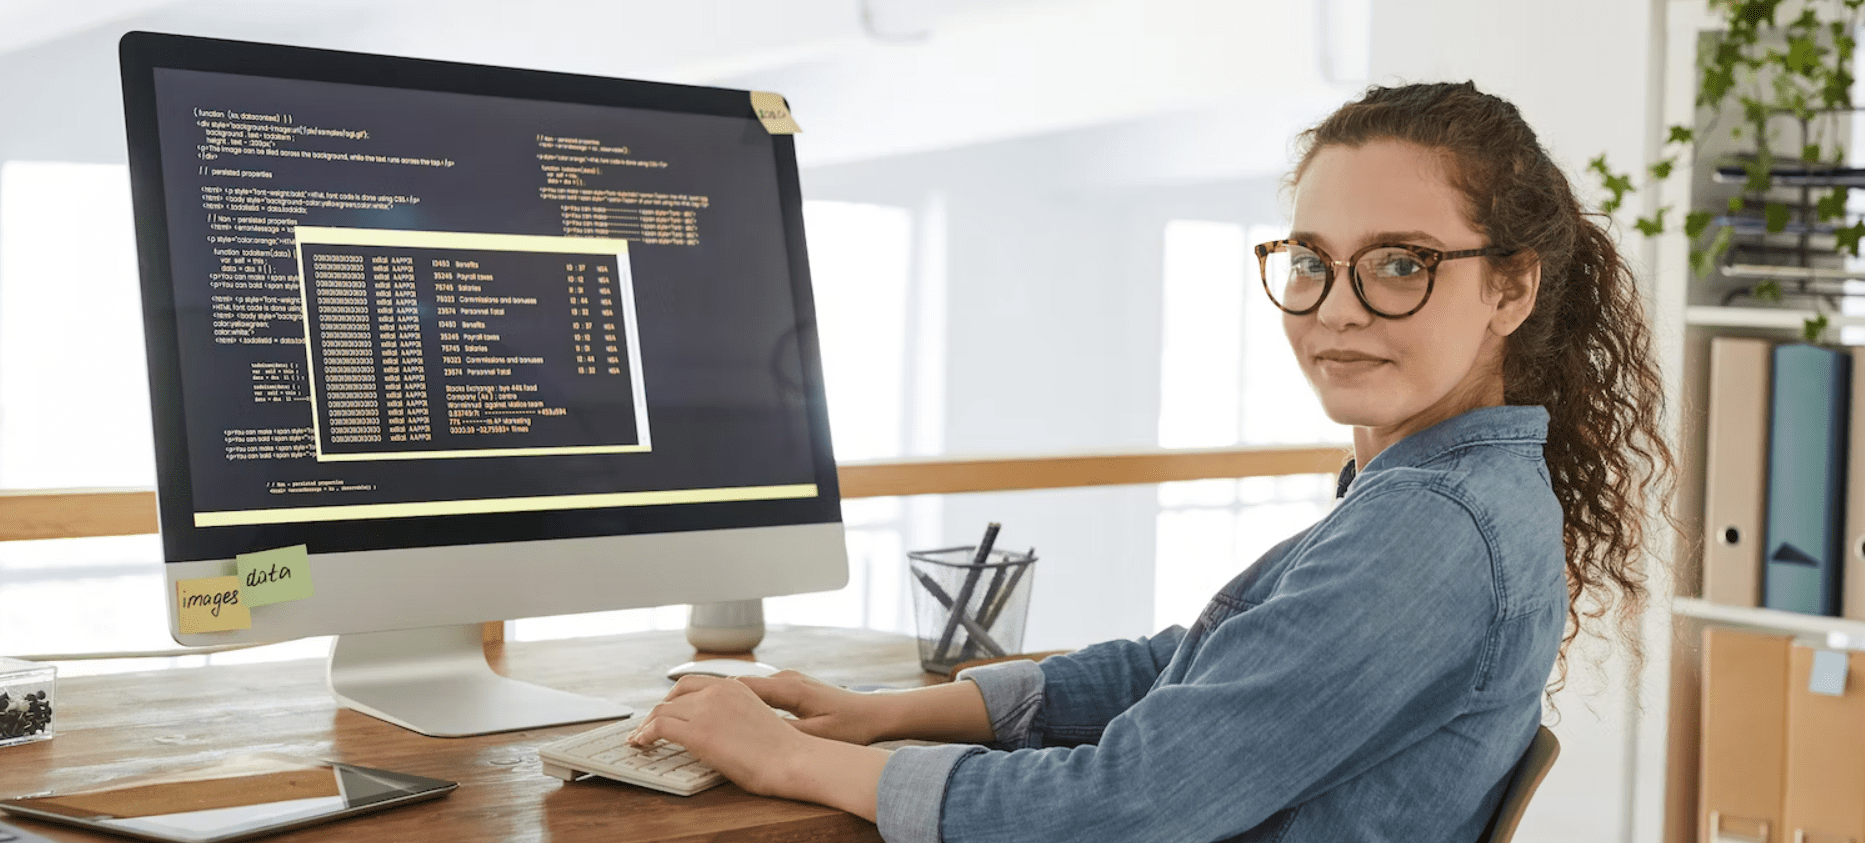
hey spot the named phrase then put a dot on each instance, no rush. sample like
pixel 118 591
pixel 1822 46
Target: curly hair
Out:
pixel 1584 353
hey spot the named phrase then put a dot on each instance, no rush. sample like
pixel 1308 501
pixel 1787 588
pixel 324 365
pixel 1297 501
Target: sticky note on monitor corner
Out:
pixel 774 113
pixel 211 604
pixel 273 576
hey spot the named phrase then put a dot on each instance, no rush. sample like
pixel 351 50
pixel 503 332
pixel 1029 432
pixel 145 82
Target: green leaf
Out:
pixel 1778 215
pixel 1716 84
pixel 1758 180
pixel 1696 221
pixel 1652 227
pixel 1662 169
pixel 1803 54
pixel 1848 238
pixel 1832 205
pixel 1702 263
pixel 1735 204
pixel 1680 134
pixel 1754 111
pixel 1810 152
pixel 1598 165
pixel 1769 291
pixel 1813 328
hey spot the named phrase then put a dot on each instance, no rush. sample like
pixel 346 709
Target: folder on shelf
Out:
pixel 1852 572
pixel 1824 796
pixel 1806 479
pixel 1744 734
pixel 1734 469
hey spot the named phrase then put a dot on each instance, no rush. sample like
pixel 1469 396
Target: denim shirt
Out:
pixel 1374 677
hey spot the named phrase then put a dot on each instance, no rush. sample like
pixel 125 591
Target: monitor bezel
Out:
pixel 143 53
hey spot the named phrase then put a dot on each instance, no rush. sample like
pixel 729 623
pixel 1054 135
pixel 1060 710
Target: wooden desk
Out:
pixel 129 724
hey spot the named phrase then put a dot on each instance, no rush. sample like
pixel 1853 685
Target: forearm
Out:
pixel 840 775
pixel 953 712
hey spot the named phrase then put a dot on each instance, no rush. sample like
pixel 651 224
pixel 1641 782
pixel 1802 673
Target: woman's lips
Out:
pixel 1346 363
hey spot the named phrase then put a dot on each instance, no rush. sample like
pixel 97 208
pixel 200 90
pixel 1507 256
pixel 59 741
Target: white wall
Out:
pixel 1052 277
pixel 1580 71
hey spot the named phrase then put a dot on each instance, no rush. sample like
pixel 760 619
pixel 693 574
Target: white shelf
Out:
pixel 1760 317
pixel 1772 620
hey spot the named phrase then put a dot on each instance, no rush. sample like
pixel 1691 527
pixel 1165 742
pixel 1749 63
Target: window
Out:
pixel 74 394
pixel 1226 378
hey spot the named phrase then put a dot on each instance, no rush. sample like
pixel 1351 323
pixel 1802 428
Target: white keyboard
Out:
pixel 605 751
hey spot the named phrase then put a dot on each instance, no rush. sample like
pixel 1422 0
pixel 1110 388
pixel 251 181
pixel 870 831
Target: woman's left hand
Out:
pixel 727 726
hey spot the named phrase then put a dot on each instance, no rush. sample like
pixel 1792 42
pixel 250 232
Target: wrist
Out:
pixel 887 715
pixel 837 774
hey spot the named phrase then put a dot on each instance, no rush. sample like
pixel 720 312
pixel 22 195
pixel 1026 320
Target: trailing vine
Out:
pixel 1757 72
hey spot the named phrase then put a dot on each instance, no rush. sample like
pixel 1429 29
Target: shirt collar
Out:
pixel 1484 424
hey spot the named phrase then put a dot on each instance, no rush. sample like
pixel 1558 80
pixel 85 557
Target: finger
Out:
pixel 780 690
pixel 691 684
pixel 660 728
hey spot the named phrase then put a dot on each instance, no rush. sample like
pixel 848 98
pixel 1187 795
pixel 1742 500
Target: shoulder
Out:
pixel 1484 511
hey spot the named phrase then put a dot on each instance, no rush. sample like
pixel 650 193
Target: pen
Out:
pixel 965 591
pixel 995 608
pixel 978 634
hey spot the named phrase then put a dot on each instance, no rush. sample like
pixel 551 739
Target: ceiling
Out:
pixel 866 78
pixel 616 37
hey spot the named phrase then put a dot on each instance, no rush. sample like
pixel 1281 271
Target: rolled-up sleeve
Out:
pixel 1013 692
pixel 911 793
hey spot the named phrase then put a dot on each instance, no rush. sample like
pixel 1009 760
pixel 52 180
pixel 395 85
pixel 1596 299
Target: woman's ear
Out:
pixel 1515 298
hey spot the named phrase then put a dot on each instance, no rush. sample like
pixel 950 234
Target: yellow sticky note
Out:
pixel 211 604
pixel 774 113
pixel 273 576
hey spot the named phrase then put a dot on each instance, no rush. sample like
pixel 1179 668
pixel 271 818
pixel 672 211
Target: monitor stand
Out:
pixel 436 681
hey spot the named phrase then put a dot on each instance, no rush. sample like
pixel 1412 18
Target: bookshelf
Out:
pixel 1688 314
pixel 1770 620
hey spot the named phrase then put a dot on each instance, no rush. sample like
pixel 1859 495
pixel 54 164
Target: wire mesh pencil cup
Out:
pixel 992 602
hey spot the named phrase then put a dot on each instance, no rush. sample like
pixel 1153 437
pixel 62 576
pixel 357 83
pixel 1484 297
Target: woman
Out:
pixel 1377 675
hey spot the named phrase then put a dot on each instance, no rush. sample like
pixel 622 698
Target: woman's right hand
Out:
pixel 823 709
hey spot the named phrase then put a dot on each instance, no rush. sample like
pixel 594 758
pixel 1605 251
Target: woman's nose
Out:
pixel 1340 308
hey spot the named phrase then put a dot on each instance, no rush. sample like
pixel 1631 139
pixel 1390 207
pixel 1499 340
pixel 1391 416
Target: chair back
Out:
pixel 1523 780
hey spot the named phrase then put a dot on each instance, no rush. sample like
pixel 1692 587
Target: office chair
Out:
pixel 1523 780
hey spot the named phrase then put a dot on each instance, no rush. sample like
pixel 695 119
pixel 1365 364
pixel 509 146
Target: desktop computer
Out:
pixel 486 343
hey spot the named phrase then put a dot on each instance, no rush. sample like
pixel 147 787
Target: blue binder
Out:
pixel 1806 479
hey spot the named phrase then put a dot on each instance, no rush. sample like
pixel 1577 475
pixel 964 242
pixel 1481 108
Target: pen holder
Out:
pixel 25 701
pixel 967 611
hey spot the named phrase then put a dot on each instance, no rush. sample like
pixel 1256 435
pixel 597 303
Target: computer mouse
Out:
pixel 721 667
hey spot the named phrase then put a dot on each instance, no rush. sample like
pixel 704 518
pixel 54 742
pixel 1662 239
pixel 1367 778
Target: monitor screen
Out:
pixel 415 314
pixel 551 307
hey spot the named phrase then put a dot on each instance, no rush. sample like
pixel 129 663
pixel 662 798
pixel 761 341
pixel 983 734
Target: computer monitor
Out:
pixel 488 343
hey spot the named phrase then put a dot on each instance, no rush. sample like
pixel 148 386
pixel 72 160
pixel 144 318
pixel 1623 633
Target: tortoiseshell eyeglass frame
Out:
pixel 1426 255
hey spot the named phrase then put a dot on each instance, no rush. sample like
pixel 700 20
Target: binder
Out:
pixel 1852 573
pixel 1734 472
pixel 1806 478
pixel 1824 797
pixel 1744 735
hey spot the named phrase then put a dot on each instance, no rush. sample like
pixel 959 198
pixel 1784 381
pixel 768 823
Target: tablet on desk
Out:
pixel 238 799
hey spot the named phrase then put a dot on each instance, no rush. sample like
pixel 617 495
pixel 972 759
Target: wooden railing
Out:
pixel 80 513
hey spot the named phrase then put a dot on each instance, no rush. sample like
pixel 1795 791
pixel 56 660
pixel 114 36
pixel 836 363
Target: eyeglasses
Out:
pixel 1392 280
